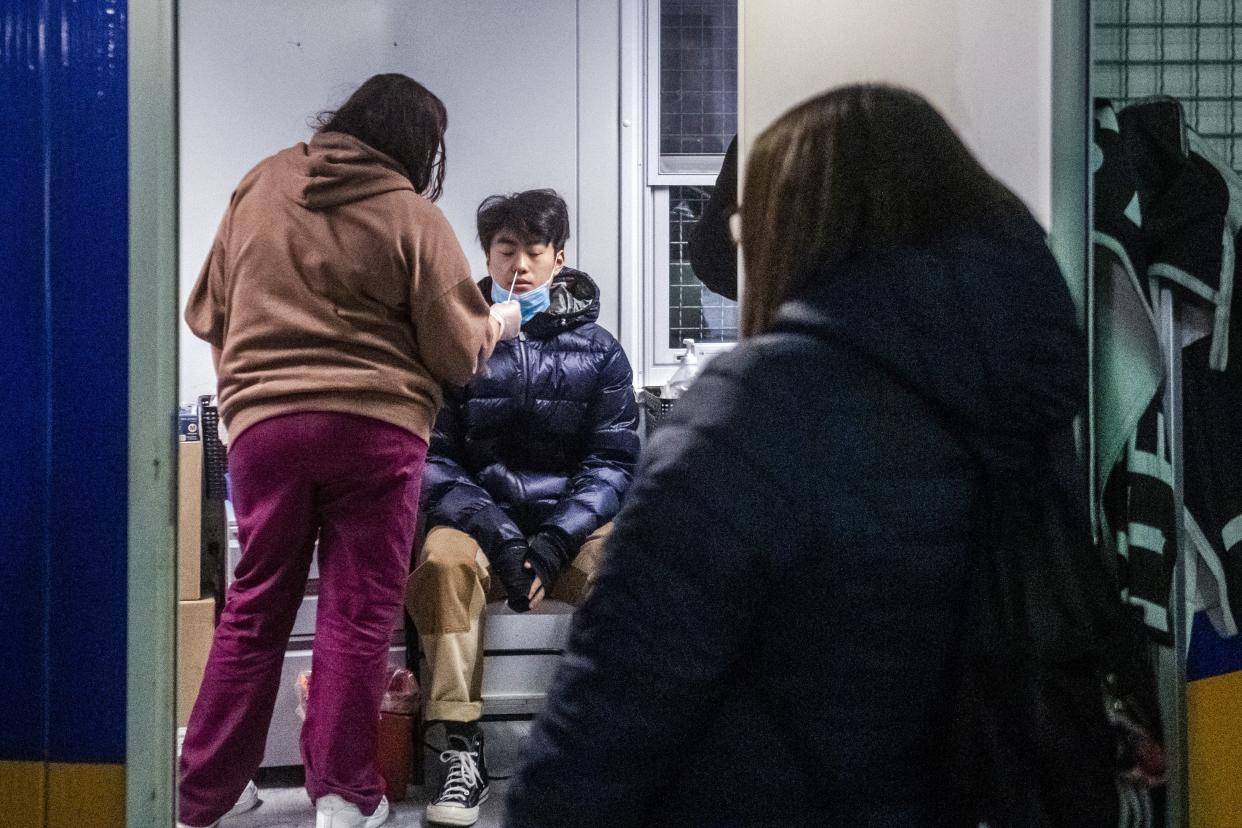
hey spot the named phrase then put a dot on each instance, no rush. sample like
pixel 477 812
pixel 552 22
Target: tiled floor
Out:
pixel 290 808
pixel 286 805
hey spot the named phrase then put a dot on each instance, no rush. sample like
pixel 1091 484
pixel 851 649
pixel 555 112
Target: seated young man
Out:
pixel 527 466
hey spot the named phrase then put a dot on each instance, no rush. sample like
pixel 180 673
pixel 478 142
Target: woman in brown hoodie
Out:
pixel 337 301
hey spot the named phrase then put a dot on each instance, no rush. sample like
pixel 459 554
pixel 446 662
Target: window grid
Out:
pixel 698 76
pixel 694 312
pixel 1187 49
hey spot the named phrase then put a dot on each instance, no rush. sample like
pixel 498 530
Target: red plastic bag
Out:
pixel 397 724
pixel 401 693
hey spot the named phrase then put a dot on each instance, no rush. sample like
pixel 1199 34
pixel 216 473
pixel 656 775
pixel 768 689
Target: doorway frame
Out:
pixel 153 352
pixel 150 789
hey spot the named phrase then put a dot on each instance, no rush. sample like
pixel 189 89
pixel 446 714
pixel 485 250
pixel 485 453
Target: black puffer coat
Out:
pixel 546 437
pixel 773 635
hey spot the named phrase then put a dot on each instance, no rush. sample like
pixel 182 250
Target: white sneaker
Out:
pixel 333 812
pixel 248 801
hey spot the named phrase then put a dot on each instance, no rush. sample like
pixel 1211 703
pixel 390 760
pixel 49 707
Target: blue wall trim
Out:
pixel 24 390
pixel 89 255
pixel 1210 654
pixel 65 351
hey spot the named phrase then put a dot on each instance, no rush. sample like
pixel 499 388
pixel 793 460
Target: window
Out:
pixel 697 52
pixel 691 118
pixel 694 311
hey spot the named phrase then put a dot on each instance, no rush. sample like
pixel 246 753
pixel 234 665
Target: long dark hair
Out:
pixel 857 171
pixel 401 118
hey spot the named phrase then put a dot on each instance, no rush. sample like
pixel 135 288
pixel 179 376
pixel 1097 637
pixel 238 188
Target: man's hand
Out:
pixel 508 566
pixel 547 554
pixel 536 589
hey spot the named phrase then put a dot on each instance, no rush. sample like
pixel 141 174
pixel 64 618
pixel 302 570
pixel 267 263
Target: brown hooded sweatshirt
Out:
pixel 333 286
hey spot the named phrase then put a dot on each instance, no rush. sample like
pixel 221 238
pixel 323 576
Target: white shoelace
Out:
pixel 462 776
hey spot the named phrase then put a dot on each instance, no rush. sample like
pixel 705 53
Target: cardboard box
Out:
pixel 196 623
pixel 189 520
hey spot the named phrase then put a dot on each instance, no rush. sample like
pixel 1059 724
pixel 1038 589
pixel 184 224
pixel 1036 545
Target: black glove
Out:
pixel 548 554
pixel 516 579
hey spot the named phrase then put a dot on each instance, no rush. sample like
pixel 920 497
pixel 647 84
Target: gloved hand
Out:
pixel 509 315
pixel 548 553
pixel 516 579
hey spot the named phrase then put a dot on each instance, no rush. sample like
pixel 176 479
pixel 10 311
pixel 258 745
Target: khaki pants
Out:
pixel 445 596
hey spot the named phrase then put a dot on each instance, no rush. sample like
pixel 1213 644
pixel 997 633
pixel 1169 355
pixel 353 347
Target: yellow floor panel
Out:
pixel 21 793
pixel 1214 708
pixel 85 796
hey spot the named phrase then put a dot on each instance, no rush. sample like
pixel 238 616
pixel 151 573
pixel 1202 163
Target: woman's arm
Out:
pixel 454 326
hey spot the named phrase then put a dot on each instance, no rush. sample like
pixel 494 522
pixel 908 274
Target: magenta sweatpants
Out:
pixel 353 482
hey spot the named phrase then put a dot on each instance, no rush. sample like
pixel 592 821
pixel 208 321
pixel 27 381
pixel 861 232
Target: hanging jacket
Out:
pixel 546 437
pixel 773 638
pixel 1168 214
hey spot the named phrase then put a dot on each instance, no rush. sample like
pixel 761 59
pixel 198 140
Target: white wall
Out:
pixel 987 64
pixel 531 92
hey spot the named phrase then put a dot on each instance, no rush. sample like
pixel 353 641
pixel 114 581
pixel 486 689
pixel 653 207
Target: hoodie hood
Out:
pixel 574 298
pixel 335 169
pixel 982 325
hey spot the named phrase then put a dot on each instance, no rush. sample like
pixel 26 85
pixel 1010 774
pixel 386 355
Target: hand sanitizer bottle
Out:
pixel 685 375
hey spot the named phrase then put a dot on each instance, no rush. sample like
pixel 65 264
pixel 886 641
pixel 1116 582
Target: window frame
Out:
pixel 660 360
pixel 688 169
pixel 659 234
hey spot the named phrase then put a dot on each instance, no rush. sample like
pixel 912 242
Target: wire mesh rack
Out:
pixel 1187 49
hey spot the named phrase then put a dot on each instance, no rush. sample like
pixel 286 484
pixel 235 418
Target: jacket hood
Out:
pixel 982 325
pixel 335 169
pixel 574 301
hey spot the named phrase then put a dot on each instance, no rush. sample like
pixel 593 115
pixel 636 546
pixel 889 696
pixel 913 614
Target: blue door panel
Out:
pixel 64 384
pixel 23 389
pixel 89 254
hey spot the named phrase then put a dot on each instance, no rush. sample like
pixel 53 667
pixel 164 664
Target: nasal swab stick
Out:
pixel 512 285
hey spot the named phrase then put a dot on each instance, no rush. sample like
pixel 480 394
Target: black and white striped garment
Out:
pixel 1191 203
pixel 1137 496
pixel 1212 434
pixel 1144 517
pixel 1170 210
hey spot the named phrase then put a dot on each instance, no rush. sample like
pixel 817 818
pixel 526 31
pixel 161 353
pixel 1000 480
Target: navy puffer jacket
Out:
pixel 545 438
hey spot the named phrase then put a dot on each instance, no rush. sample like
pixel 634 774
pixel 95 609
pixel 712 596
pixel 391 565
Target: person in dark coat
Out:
pixel 713 256
pixel 775 632
pixel 527 467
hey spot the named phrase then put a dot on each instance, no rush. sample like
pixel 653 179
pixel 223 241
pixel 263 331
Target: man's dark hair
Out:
pixel 401 118
pixel 533 217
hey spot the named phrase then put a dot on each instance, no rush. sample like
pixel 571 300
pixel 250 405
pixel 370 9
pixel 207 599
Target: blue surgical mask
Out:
pixel 532 301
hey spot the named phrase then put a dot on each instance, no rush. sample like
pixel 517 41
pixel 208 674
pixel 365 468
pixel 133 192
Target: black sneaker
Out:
pixel 465 785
